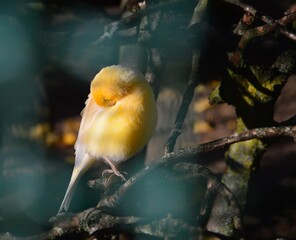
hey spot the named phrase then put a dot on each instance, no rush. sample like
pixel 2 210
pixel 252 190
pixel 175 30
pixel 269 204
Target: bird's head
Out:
pixel 113 83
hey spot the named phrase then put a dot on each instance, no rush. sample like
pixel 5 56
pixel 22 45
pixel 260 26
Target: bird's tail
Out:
pixel 76 175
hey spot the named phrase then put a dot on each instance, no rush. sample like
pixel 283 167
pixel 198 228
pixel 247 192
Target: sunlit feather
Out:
pixel 118 120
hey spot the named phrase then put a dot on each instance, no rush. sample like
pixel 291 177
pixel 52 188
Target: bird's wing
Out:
pixel 88 114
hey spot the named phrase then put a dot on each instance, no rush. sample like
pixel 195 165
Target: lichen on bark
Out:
pixel 253 90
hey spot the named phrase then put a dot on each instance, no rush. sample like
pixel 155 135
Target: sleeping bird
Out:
pixel 118 120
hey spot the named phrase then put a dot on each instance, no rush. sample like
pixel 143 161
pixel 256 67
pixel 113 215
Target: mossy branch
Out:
pixel 279 24
pixel 263 30
pixel 192 152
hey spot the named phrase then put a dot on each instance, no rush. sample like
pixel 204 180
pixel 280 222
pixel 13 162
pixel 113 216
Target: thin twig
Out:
pixel 192 83
pixel 262 30
pixel 198 13
pixel 128 27
pixel 267 19
pixel 187 98
pixel 155 68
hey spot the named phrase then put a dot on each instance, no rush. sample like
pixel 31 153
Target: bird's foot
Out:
pixel 114 171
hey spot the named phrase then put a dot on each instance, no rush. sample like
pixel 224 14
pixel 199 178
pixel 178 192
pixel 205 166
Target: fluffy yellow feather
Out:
pixel 118 120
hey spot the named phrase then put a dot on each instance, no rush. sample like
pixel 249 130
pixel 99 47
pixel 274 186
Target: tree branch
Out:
pixel 155 68
pixel 248 8
pixel 262 30
pixel 198 13
pixel 192 152
pixel 94 220
pixel 192 83
pixel 129 27
pixel 187 98
pixel 213 186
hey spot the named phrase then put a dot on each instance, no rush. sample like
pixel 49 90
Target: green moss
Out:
pixel 241 158
pixel 253 91
pixel 258 91
pixel 215 97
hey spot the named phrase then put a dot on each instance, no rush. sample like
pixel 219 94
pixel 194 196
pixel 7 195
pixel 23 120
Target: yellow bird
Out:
pixel 119 118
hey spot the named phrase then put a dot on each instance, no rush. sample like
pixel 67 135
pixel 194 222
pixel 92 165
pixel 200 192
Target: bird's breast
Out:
pixel 120 131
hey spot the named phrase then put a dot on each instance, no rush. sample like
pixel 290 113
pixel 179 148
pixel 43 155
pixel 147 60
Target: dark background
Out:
pixel 47 61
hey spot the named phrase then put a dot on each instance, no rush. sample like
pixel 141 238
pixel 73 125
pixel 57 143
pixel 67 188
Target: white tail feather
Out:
pixel 76 175
pixel 80 168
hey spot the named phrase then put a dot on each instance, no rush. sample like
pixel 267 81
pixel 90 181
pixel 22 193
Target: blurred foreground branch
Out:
pixel 95 221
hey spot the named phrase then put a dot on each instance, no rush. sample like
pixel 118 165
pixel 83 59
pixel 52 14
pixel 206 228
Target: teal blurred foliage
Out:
pixel 162 193
pixel 46 64
pixel 47 61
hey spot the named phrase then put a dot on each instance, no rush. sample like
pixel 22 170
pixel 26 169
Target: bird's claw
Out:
pixel 115 172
